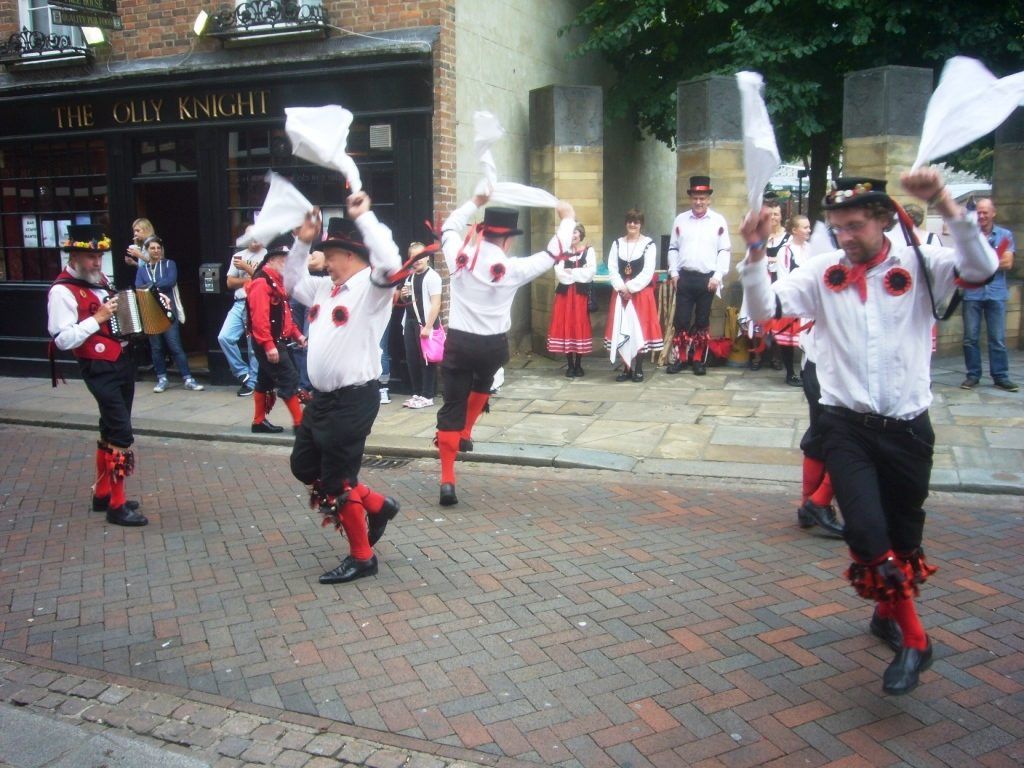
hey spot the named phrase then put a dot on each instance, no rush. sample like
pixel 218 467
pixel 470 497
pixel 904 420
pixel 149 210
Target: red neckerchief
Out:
pixel 336 289
pixel 858 272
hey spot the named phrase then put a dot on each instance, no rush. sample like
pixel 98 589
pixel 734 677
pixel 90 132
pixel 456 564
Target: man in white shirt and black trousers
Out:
pixel 348 310
pixel 872 303
pixel 483 284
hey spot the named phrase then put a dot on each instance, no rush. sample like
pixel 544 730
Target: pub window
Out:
pixel 35 16
pixel 254 151
pixel 45 187
pixel 165 156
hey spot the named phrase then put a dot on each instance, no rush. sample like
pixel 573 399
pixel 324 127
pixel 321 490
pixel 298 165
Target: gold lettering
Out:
pixel 245 105
pixel 263 103
pixel 122 112
pixel 157 105
pixel 74 116
pixel 202 106
pixel 183 113
pixel 230 111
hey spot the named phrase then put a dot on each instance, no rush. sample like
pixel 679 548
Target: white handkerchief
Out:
pixel 487 130
pixel 968 103
pixel 320 135
pixel 627 333
pixel 284 209
pixel 760 152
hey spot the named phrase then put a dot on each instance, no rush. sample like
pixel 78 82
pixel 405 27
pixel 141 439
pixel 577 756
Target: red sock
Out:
pixel 259 405
pixel 353 520
pixel 814 470
pixel 117 497
pixel 474 407
pixel 370 499
pixel 102 487
pixel 295 409
pixel 824 494
pixel 906 616
pixel 448 448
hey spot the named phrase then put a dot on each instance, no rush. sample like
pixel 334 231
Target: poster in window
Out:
pixel 30 231
pixel 49 234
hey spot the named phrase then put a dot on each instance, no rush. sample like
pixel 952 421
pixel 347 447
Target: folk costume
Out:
pixel 872 330
pixel 698 251
pixel 570 332
pixel 271 327
pixel 106 368
pixel 632 329
pixel 785 331
pixel 483 284
pixel 345 323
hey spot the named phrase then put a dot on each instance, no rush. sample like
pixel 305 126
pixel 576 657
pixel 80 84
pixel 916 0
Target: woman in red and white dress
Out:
pixel 633 327
pixel 570 332
pixel 785 331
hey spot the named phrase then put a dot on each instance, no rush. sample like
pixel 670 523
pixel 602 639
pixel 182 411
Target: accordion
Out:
pixel 139 311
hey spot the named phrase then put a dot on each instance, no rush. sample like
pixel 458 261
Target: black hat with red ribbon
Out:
pixel 700 185
pixel 345 235
pixel 501 222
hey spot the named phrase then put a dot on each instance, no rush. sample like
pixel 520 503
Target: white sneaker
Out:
pixel 410 402
pixel 193 386
pixel 426 402
pixel 161 384
pixel 384 399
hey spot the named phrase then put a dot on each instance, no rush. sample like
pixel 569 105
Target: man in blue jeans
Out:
pixel 989 301
pixel 243 266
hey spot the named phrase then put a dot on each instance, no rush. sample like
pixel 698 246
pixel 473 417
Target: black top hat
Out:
pixel 700 185
pixel 279 246
pixel 855 191
pixel 343 233
pixel 501 222
pixel 86 238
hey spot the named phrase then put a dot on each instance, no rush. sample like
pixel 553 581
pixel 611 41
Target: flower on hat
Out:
pixel 897 281
pixel 103 244
pixel 836 277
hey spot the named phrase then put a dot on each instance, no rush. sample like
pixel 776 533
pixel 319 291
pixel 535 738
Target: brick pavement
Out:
pixel 561 617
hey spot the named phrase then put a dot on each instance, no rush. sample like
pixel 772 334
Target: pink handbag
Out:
pixel 433 345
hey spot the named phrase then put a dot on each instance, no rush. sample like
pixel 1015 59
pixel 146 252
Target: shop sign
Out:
pixel 177 110
pixel 84 19
pixel 87 6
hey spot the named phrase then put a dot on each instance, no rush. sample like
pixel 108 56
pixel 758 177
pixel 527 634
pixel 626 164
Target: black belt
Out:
pixel 241 299
pixel 872 420
pixel 343 390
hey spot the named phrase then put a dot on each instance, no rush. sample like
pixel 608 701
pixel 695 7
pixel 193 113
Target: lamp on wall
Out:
pixel 93 36
pixel 201 23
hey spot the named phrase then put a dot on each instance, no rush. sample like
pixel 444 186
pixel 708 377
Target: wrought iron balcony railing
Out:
pixel 28 48
pixel 265 20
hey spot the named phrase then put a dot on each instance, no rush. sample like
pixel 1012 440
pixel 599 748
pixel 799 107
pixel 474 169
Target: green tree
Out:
pixel 803 48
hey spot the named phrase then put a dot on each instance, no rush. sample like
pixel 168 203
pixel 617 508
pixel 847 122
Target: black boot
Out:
pixel 102 504
pixel 578 368
pixel 376 524
pixel 887 630
pixel 127 517
pixel 350 569
pixel 265 427
pixel 824 517
pixel 448 497
pixel 638 370
pixel 570 369
pixel 626 374
pixel 902 675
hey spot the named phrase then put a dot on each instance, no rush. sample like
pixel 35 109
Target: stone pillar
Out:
pixel 567 159
pixel 1008 197
pixel 709 141
pixel 883 113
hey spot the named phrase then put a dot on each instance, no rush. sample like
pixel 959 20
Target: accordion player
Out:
pixel 140 311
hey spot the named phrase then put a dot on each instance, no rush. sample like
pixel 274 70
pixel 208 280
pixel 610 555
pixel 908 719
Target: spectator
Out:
pixel 162 274
pixel 141 229
pixel 243 266
pixel 422 294
pixel 570 332
pixel 989 301
pixel 785 331
pixel 916 214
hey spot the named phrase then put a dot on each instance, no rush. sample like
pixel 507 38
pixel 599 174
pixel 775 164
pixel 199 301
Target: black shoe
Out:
pixel 675 367
pixel 902 675
pixel 265 427
pixel 350 569
pixel 244 390
pixel 465 445
pixel 699 369
pixel 102 504
pixel 1006 384
pixel 755 365
pixel 378 522
pixel 969 383
pixel 638 375
pixel 126 517
pixel 577 370
pixel 794 381
pixel 886 630
pixel 626 375
pixel 448 497
pixel 776 365
pixel 824 517
pixel 570 372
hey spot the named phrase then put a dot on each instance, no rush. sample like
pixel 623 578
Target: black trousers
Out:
pixel 112 384
pixel 329 443
pixel 422 374
pixel 812 442
pixel 880 475
pixel 693 300
pixel 470 362
pixel 282 375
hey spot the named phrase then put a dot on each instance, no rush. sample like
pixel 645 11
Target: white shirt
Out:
pixel 480 302
pixel 699 244
pixel 642 253
pixel 582 274
pixel 872 357
pixel 62 315
pixel 253 259
pixel 430 286
pixel 344 334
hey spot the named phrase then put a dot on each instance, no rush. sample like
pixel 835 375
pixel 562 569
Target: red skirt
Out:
pixel 570 331
pixel 647 311
pixel 785 331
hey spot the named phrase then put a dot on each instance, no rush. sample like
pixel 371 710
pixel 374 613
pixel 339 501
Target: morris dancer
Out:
pixel 484 281
pixel 873 314
pixel 348 310
pixel 80 305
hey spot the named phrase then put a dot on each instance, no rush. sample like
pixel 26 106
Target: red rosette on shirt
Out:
pixel 497 272
pixel 897 281
pixel 461 261
pixel 837 277
pixel 313 313
pixel 339 315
